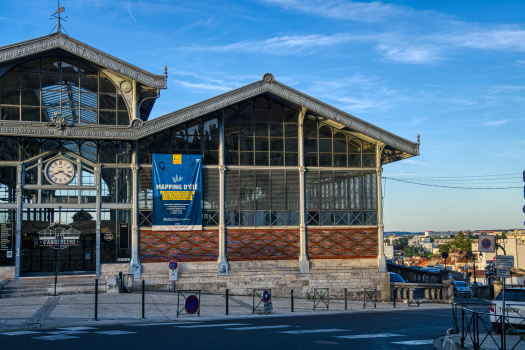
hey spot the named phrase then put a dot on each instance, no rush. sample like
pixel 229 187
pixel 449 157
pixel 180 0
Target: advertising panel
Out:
pixel 177 192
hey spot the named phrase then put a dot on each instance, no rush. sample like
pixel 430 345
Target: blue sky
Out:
pixel 451 71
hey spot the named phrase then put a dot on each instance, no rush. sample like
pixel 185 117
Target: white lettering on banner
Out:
pixel 177 187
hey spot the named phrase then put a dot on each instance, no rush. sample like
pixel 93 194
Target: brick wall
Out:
pixel 157 246
pixel 342 243
pixel 262 244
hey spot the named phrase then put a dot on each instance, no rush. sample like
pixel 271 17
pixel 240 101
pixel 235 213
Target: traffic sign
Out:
pixel 174 275
pixel 267 296
pixel 487 244
pixel 494 259
pixel 173 265
pixel 444 255
pixel 503 272
pixel 191 304
pixel 467 267
pixel 505 261
pixel 268 307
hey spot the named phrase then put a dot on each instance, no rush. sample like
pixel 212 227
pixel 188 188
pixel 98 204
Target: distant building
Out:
pixel 440 233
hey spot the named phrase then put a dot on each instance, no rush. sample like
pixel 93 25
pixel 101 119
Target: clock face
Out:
pixel 60 172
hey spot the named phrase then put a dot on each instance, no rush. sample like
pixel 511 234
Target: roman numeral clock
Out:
pixel 59 172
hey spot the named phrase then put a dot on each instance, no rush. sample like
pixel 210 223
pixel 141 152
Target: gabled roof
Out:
pixel 269 85
pixel 66 43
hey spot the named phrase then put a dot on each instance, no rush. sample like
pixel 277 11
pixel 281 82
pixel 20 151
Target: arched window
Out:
pixel 30 148
pixel 38 89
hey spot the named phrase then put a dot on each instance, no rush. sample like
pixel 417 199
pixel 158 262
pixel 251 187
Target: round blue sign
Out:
pixel 191 304
pixel 486 243
pixel 444 255
pixel 266 296
pixel 173 265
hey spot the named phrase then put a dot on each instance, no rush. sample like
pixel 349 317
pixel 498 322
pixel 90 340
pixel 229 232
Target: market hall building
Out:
pixel 291 195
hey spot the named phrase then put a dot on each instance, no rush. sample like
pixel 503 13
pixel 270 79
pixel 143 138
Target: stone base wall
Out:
pixel 278 275
pixel 7 272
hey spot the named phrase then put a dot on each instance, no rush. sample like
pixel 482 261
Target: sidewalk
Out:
pixel 78 310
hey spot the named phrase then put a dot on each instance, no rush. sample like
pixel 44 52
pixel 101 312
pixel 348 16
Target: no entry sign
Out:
pixel 173 265
pixel 191 304
pixel 487 244
pixel 266 296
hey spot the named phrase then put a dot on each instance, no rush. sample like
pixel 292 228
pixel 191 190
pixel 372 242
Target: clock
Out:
pixel 60 172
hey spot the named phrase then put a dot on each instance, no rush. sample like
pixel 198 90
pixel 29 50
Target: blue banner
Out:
pixel 177 192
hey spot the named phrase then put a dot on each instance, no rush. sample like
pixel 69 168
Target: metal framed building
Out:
pixel 291 185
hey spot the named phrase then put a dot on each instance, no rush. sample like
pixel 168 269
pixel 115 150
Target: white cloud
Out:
pixel 485 122
pixel 501 39
pixel 411 54
pixel 201 86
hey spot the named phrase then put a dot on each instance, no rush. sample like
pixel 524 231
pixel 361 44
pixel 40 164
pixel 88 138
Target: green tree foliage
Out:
pixel 400 243
pixel 410 251
pixel 460 242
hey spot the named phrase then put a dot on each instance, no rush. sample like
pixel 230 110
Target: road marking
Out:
pixel 67 332
pixel 77 328
pixel 56 337
pixel 161 324
pixel 367 336
pixel 20 333
pixel 254 328
pixel 305 331
pixel 116 332
pixel 414 342
pixel 213 325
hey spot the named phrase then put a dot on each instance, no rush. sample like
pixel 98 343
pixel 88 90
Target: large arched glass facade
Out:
pixel 37 89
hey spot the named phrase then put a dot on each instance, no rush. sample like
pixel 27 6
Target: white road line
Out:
pixel 77 328
pixel 254 328
pixel 114 332
pixel 367 336
pixel 306 331
pixel 55 337
pixel 20 333
pixel 67 332
pixel 414 342
pixel 213 325
pixel 161 324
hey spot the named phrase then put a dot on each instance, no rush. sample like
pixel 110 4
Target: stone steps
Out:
pixel 29 287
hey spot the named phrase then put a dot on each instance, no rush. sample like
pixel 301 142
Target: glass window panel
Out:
pixel 368 147
pixel 106 85
pixel 124 152
pixel 51 99
pixel 354 145
pixel 276 129
pixel 310 159
pixel 71 115
pixel 31 66
pixel 246 144
pixel 261 115
pixel 70 82
pixel 246 112
pixel 248 193
pixel 369 160
pixel 291 115
pixel 261 102
pixel 7 184
pixel 340 160
pixel 325 159
pixel 326 189
pixel 108 101
pixel 87 69
pixel 292 145
pixel 30 148
pixel 292 190
pixel 211 142
pixel 355 190
pixel 231 142
pixel 30 80
pixel 210 189
pixel 51 64
pixel 107 152
pixel 48 145
pixel 121 104
pixel 231 158
pixel 231 115
pixel 31 114
pixel 276 145
pixel 232 190
pixel 69 66
pixel 146 144
pixel 276 159
pixel 261 129
pixel 261 158
pixel 145 157
pixel 162 143
pixel 71 146
pixel 276 113
pixel 261 144
pixel 341 190
pixel 50 82
pixel 325 145
pixel 310 145
pixel 354 160
pixel 246 158
pixel 10 113
pixel 124 188
pixel 370 191
pixel 312 190
pixel 310 128
pixel 178 138
pixel 123 118
pixel 325 131
pixel 210 158
pixel 88 116
pixel 88 83
pixel 292 159
pixel 291 130
pixel 194 135
pixel 10 80
pixel 211 125
pixel 247 129
pixel 88 150
pixel 107 118
pixel 31 98
pixel 278 190
pixel 108 185
pixel 263 190
pixel 9 96
pixel 340 145
pixel 88 100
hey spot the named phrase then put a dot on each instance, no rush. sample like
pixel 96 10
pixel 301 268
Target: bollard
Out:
pixel 346 301
pixel 226 301
pixel 56 276
pixel 395 292
pixel 96 299
pixel 142 298
pixel 291 296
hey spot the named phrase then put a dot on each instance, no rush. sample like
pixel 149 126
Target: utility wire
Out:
pixel 464 177
pixel 465 188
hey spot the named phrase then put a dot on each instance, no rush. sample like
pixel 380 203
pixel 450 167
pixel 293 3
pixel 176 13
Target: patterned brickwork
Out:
pixel 342 243
pixel 262 244
pixel 156 246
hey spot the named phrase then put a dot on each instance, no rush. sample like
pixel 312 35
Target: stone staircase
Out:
pixel 44 286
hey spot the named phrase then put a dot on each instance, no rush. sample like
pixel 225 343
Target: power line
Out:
pixel 495 178
pixel 465 188
pixel 464 177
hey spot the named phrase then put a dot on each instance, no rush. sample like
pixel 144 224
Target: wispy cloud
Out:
pixel 133 18
pixel 409 54
pixel 486 122
pixel 202 86
pixel 356 11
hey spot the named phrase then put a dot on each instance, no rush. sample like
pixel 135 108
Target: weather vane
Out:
pixel 56 16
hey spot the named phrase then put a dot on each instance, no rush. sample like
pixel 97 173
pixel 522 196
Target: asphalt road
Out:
pixel 412 329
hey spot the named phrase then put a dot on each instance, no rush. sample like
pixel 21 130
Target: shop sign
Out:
pixel 6 236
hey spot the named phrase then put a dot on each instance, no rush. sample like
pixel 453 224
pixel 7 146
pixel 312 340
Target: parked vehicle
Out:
pixel 431 269
pixel 395 278
pixel 462 289
pixel 514 308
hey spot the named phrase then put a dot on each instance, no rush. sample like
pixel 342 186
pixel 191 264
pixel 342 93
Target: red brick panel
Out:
pixel 342 243
pixel 262 244
pixel 156 246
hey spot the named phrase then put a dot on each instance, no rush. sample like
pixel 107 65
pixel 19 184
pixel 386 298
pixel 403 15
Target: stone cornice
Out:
pixel 61 41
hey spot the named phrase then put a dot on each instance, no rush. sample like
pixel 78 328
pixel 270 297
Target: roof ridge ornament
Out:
pixel 59 122
pixel 268 78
